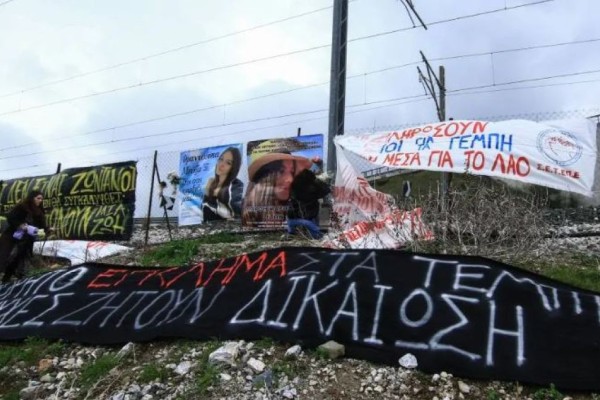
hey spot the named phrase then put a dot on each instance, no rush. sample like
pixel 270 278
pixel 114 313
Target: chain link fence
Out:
pixel 147 190
pixel 147 199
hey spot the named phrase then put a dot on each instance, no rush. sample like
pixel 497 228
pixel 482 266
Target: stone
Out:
pixel 408 361
pixel 28 393
pixel 264 379
pixel 333 349
pixel 126 350
pixel 225 377
pixel 463 387
pixel 118 396
pixel 183 368
pixel 44 364
pixel 293 352
pixel 226 354
pixel 256 365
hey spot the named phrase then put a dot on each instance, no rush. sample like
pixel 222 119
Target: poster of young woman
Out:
pixel 272 166
pixel 210 189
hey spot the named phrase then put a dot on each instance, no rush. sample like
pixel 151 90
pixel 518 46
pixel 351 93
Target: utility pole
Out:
pixel 436 87
pixel 337 84
pixel 433 84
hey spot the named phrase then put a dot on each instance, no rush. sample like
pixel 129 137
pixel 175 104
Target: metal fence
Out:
pixel 147 200
pixel 169 161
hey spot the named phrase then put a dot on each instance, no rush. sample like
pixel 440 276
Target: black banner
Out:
pixel 470 316
pixel 81 203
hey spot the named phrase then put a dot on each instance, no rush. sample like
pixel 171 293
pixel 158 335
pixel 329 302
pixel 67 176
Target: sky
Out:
pixel 87 82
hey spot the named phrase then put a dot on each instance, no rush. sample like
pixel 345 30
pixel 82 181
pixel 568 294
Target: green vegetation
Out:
pixel 290 368
pixel 265 343
pixel 181 252
pixel 92 373
pixel 221 237
pixel 547 394
pixel 492 394
pixel 321 354
pixel 153 371
pixel 13 395
pixel 177 252
pixel 206 374
pixel 32 350
pixel 580 270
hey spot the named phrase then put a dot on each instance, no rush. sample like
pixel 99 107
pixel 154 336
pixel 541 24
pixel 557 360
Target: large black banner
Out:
pixel 81 203
pixel 469 316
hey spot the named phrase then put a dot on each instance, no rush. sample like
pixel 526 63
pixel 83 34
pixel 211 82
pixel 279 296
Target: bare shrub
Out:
pixel 483 217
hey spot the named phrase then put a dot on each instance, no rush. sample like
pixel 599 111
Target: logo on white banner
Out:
pixel 560 147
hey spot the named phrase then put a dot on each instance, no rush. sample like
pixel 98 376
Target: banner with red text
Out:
pixel 470 316
pixel 366 218
pixel 557 154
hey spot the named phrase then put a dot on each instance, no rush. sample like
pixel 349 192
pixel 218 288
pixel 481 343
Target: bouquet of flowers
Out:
pixel 174 178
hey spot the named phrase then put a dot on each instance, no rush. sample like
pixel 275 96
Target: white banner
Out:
pixel 367 218
pixel 77 251
pixel 558 154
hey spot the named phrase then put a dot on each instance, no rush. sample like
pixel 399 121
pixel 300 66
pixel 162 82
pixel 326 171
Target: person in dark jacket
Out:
pixel 223 193
pixel 305 192
pixel 25 221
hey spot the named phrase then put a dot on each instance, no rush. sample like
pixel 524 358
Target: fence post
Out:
pixel 150 198
pixel 164 205
pixel 58 168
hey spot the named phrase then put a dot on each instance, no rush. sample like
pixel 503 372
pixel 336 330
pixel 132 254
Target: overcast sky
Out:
pixel 64 98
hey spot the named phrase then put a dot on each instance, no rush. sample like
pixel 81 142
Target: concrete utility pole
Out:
pixel 337 84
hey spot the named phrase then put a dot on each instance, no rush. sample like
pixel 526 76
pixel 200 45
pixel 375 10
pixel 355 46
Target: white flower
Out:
pixel 173 178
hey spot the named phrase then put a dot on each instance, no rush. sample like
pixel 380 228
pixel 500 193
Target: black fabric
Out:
pixel 470 316
pixel 81 203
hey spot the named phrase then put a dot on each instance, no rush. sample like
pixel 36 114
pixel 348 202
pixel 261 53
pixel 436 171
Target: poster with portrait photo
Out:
pixel 210 188
pixel 272 166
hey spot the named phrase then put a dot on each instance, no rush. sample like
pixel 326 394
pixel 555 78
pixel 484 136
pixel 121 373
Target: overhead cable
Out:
pixel 195 73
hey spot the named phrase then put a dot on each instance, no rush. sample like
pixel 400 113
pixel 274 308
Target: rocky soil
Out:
pixel 183 369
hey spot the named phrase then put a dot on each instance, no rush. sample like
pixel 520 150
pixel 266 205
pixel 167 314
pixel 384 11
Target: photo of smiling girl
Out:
pixel 223 192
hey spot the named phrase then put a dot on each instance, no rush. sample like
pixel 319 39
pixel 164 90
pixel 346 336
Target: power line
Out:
pixel 522 87
pixel 323 83
pixel 287 91
pixel 168 133
pixel 180 114
pixel 394 104
pixel 161 80
pixel 162 53
pixel 443 21
pixel 196 110
pixel 413 97
pixel 527 80
pixel 6 2
pixel 195 73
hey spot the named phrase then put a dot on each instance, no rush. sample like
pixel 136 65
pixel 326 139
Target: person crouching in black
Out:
pixel 25 222
pixel 305 192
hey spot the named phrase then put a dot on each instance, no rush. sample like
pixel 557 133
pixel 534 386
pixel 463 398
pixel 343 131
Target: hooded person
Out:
pixel 26 221
pixel 306 191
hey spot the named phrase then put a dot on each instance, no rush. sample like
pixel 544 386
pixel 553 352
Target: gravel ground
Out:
pixel 261 370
